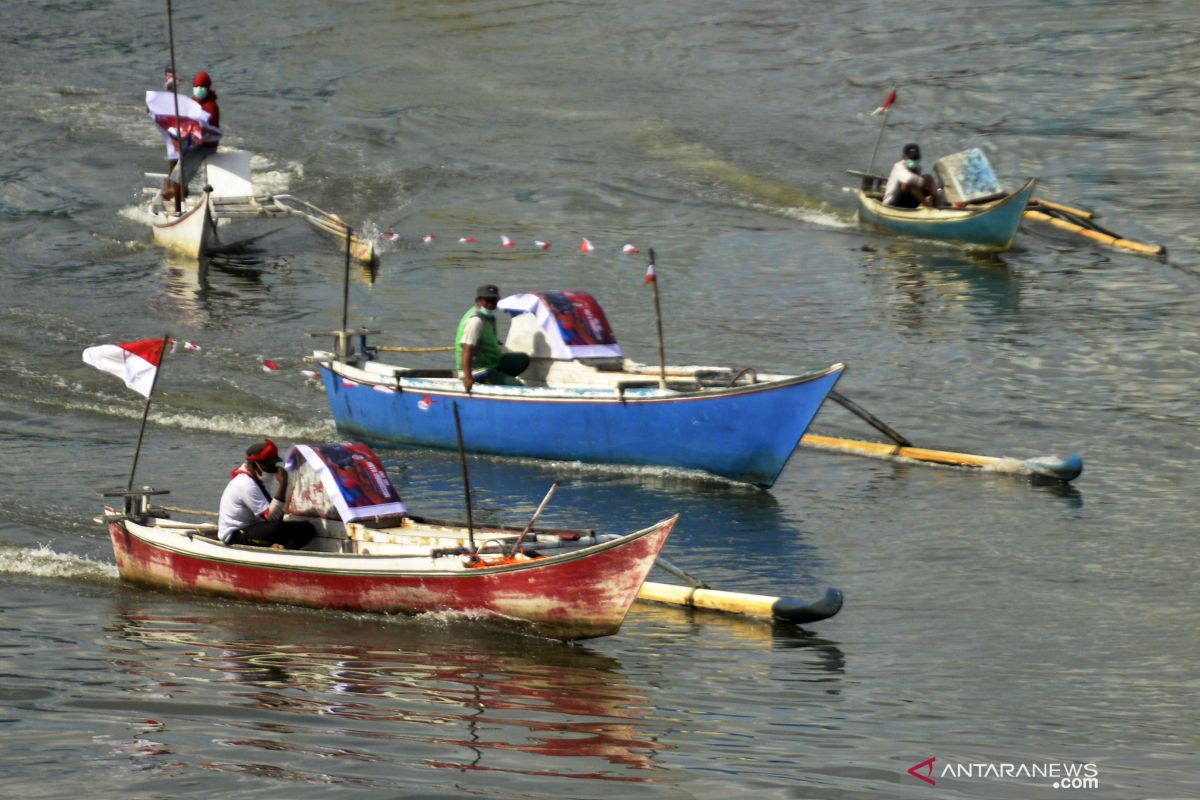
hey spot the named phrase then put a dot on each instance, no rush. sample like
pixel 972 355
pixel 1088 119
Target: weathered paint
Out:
pixel 578 595
pixel 191 234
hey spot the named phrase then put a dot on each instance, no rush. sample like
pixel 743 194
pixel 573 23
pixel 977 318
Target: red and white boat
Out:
pixel 560 584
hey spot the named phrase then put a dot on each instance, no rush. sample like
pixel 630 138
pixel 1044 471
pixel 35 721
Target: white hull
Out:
pixel 191 233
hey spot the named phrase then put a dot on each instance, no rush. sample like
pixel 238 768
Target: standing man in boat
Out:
pixel 478 357
pixel 193 154
pixel 249 515
pixel 906 186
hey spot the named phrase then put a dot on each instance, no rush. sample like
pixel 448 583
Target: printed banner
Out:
pixel 572 322
pixel 351 476
pixel 192 125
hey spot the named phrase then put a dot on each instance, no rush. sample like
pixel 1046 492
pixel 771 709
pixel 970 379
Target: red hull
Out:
pixel 579 595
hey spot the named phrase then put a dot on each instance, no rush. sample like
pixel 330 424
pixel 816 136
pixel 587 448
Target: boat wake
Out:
pixel 42 562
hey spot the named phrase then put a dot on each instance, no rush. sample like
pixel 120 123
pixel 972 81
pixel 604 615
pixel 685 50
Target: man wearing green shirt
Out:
pixel 478 357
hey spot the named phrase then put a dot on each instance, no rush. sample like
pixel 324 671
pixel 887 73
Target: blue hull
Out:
pixel 746 433
pixel 990 226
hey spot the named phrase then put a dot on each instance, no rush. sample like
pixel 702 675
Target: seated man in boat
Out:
pixel 249 515
pixel 906 186
pixel 478 357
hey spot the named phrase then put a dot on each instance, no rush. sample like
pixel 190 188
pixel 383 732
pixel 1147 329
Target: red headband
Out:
pixel 269 452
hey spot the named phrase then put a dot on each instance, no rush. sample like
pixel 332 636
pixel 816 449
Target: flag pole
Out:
pixel 462 459
pixel 887 108
pixel 662 358
pixel 178 127
pixel 343 337
pixel 146 411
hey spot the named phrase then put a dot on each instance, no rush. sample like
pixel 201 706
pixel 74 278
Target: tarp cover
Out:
pixel 572 322
pixel 340 481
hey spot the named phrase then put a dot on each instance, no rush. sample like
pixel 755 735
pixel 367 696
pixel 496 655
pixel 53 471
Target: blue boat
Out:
pixel 582 400
pixel 989 225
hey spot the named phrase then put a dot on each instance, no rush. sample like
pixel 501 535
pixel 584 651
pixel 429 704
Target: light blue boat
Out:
pixel 581 400
pixel 989 225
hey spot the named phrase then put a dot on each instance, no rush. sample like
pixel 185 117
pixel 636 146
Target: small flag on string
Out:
pixel 629 249
pixel 650 276
pixel 424 403
pixel 190 346
pixel 428 238
pixel 586 247
pixel 540 245
pixel 468 240
pixel 136 363
pixel 308 373
pixel 891 98
pixel 390 235
pixel 507 243
pixel 267 364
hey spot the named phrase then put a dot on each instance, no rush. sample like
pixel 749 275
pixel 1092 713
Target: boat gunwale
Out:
pixel 263 557
pixel 599 395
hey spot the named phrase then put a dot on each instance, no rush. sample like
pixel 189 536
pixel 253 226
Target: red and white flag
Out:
pixel 650 276
pixel 629 249
pixel 136 363
pixel 891 98
pixel 586 247
pixel 507 243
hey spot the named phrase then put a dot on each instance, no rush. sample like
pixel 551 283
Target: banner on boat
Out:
pixel 573 323
pixel 342 477
pixel 193 127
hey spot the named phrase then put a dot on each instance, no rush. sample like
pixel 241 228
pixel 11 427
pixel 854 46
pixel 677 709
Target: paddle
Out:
pixel 517 544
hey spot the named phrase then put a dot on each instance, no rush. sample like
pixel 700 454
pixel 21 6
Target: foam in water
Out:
pixel 43 562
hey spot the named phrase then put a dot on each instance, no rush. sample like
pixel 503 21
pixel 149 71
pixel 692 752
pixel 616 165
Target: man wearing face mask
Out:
pixel 907 187
pixel 206 96
pixel 249 515
pixel 194 155
pixel 478 357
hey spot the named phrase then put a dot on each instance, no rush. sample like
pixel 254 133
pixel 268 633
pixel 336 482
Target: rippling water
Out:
pixel 987 620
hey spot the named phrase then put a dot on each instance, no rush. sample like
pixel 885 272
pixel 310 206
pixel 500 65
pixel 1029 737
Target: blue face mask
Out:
pixel 200 92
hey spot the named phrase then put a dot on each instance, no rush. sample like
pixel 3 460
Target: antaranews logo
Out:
pixel 1061 774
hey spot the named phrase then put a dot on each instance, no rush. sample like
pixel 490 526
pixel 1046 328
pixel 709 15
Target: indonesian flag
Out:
pixel 191 125
pixel 891 98
pixel 136 363
pixel 650 276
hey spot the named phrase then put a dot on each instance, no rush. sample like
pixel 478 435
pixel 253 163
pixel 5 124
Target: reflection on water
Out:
pixel 926 282
pixel 461 697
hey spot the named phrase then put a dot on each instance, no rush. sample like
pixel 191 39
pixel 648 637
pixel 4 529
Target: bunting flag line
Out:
pixel 136 363
pixel 507 242
pixel 650 276
pixel 891 98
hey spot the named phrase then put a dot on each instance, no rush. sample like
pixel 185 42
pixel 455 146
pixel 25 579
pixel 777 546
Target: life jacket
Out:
pixel 487 351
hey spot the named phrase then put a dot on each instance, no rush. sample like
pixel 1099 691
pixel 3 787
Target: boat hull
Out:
pixel 582 594
pixel 192 233
pixel 745 433
pixel 988 226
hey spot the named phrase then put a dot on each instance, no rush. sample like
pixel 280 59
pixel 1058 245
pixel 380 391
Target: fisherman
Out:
pixel 478 357
pixel 249 515
pixel 194 155
pixel 907 187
